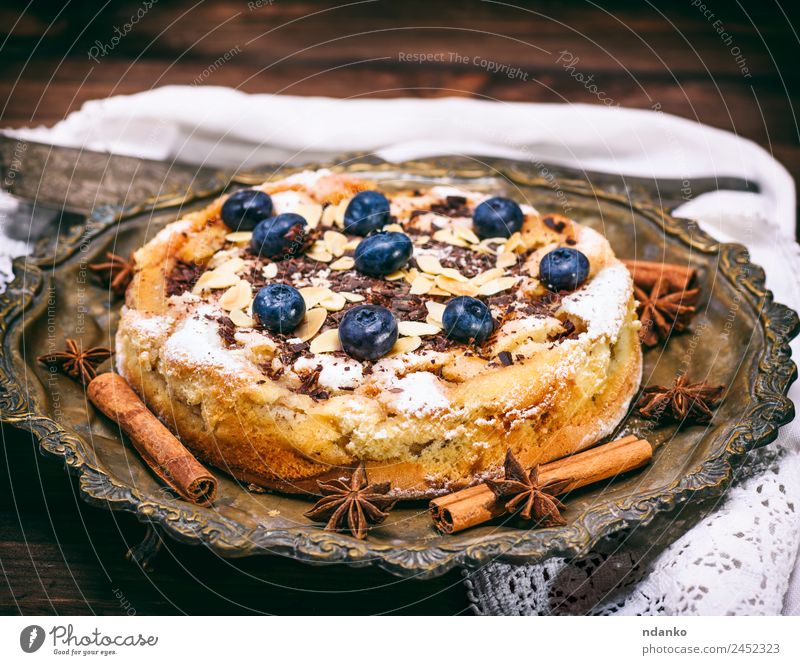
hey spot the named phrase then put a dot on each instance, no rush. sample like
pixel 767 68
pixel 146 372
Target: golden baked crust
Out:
pixel 557 375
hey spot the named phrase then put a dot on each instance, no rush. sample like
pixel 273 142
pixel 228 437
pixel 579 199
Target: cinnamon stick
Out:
pixel 476 505
pixel 647 273
pixel 164 454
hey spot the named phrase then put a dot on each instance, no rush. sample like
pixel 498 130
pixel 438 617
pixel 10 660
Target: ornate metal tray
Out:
pixel 739 338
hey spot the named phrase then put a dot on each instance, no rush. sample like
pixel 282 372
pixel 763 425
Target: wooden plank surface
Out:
pixel 60 556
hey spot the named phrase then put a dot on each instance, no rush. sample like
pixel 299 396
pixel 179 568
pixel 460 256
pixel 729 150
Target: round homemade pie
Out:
pixel 290 331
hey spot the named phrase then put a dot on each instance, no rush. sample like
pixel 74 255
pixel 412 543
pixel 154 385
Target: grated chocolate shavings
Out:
pixel 550 223
pixel 453 206
pixel 505 358
pixel 183 277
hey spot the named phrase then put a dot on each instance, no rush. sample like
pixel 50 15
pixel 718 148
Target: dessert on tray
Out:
pixel 289 332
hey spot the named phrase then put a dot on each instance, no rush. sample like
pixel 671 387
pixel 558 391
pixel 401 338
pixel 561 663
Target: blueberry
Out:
pixel 246 208
pixel 368 332
pixel 497 218
pixel 467 320
pixel 383 253
pixel 564 269
pixel 279 308
pixel 283 235
pixel 367 212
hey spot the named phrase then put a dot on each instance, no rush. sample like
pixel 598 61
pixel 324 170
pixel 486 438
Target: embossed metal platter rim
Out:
pixel 689 464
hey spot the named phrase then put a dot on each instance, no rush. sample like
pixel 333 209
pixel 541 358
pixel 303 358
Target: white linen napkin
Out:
pixel 222 127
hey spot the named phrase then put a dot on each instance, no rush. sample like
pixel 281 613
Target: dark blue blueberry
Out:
pixel 497 218
pixel 279 308
pixel 383 253
pixel 368 332
pixel 563 269
pixel 467 320
pixel 280 236
pixel 246 208
pixel 367 212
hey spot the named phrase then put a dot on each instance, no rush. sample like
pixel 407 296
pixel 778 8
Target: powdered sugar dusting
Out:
pixel 196 342
pixel 603 303
pixel 336 374
pixel 418 393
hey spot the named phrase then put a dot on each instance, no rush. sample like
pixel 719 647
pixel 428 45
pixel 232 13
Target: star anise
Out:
pixel 683 401
pixel 75 362
pixel 663 309
pixel 116 272
pixel 352 505
pixel 536 501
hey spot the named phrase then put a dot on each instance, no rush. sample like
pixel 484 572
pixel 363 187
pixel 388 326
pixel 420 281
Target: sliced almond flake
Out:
pixel 393 227
pixel 344 263
pixel 405 345
pixel 431 321
pixel 515 243
pixel 329 215
pixel 467 234
pixel 394 276
pixel 241 319
pixel 494 241
pixel 311 212
pixel 338 215
pixel 416 328
pixel 236 297
pixel 429 264
pixel 311 324
pixel 506 260
pixel 352 297
pixel 334 302
pixel 239 236
pixel 200 284
pixel 421 240
pixel 497 285
pixel 455 287
pixel 270 271
pixel 326 342
pixel 487 276
pixel 420 286
pixel 411 274
pixel 436 291
pixel 452 273
pixel 335 242
pixel 352 244
pixel 233 265
pixel 313 295
pixel 447 236
pixel 215 280
pixel 435 310
pixel 323 257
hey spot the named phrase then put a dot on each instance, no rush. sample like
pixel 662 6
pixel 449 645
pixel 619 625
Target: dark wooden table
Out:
pixel 732 67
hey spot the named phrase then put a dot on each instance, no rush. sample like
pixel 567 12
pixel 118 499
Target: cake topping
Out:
pixel 467 320
pixel 368 332
pixel 279 308
pixel 368 211
pixel 497 217
pixel 281 236
pixel 564 269
pixel 383 253
pixel 246 208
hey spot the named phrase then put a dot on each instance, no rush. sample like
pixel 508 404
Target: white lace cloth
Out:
pixel 739 559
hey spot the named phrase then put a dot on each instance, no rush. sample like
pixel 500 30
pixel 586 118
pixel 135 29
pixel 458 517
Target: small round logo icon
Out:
pixel 31 638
